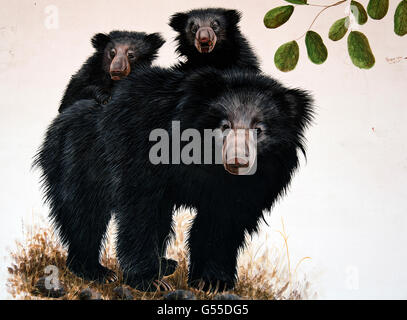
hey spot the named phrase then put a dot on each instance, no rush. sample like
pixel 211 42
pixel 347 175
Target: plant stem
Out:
pixel 319 13
pixel 325 6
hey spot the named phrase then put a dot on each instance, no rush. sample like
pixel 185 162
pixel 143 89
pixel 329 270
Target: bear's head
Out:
pixel 121 51
pixel 260 119
pixel 205 31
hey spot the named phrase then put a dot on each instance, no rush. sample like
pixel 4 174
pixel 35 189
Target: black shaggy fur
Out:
pixel 231 50
pixel 97 160
pixel 93 80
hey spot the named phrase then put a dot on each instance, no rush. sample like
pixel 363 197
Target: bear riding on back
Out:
pixel 117 54
pixel 211 37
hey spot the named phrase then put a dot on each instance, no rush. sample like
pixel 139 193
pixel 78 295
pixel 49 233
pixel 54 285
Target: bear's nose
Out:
pixel 238 162
pixel 204 39
pixel 204 35
pixel 235 164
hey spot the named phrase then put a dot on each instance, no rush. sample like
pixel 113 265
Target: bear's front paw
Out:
pixel 145 284
pixel 167 266
pixel 212 282
pixel 106 100
pixel 102 96
pixel 97 273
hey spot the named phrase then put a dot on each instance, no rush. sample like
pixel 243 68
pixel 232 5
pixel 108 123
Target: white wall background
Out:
pixel 347 208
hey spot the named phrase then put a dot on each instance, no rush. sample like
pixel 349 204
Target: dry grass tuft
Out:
pixel 262 273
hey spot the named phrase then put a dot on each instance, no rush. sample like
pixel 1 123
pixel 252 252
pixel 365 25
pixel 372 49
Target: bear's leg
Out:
pixel 82 226
pixel 215 238
pixel 164 233
pixel 143 228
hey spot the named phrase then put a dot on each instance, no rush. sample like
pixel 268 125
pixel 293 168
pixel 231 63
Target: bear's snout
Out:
pixel 205 39
pixel 239 152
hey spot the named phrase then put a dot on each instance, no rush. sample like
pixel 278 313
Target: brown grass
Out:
pixel 263 273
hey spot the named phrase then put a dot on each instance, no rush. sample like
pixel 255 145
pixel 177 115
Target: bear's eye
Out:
pixel 225 125
pixel 215 25
pixel 194 28
pixel 131 55
pixel 112 53
pixel 260 128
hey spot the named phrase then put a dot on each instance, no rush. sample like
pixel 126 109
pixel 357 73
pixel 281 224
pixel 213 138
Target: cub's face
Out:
pixel 120 57
pixel 206 29
pixel 123 50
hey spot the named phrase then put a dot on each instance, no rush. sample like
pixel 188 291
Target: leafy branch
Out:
pixel 319 13
pixel 360 52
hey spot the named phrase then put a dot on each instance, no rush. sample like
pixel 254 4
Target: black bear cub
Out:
pixel 98 160
pixel 211 37
pixel 117 54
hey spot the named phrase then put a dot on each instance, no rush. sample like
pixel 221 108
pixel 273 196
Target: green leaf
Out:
pixel 360 51
pixel 377 9
pixel 286 57
pixel 359 12
pixel 400 19
pixel 317 51
pixel 278 16
pixel 297 1
pixel 339 29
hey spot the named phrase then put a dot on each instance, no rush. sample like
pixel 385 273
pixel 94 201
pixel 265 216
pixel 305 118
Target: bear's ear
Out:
pixel 155 40
pixel 100 40
pixel 233 16
pixel 299 106
pixel 178 21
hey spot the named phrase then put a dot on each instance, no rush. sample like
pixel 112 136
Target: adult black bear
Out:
pixel 211 37
pixel 95 160
pixel 117 53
